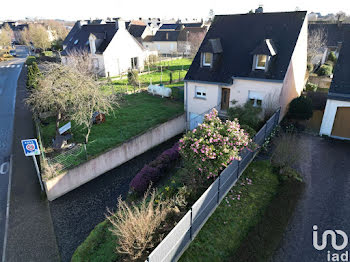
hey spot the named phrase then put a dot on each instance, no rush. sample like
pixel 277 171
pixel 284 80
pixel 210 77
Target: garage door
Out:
pixel 341 125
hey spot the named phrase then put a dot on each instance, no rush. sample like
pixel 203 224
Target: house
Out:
pixel 334 36
pixel 114 51
pixel 140 32
pixel 336 117
pixel 258 57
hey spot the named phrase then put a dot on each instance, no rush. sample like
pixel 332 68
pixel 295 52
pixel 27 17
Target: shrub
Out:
pixel 300 108
pixel 310 67
pixel 251 132
pixel 32 75
pixel 155 170
pixel 133 78
pixel 246 114
pixel 135 225
pixel 311 87
pixel 212 146
pixel 325 70
pixel 30 60
pixel 332 57
pixel 286 154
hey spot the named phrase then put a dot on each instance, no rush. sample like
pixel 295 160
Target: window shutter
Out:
pixel 254 62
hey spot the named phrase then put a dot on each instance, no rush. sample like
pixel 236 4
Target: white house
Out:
pixel 259 57
pixel 114 51
pixel 336 117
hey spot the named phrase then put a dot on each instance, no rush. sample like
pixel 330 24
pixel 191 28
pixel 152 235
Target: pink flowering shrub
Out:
pixel 210 147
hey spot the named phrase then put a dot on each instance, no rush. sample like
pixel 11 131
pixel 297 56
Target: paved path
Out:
pixel 9 72
pixel 30 234
pixel 325 201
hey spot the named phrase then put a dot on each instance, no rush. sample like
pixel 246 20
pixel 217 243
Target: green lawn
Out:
pixel 177 64
pixel 232 220
pixel 137 113
pixel 223 232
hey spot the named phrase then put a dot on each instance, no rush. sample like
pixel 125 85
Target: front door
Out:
pixel 225 98
pixel 341 124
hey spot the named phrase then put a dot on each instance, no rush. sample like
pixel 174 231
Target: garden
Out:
pixel 163 191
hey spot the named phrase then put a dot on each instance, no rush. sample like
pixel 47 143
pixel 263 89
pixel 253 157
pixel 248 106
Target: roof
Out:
pixel 239 36
pixel 334 32
pixel 166 35
pixel 193 24
pixel 170 27
pixel 340 86
pixel 79 40
pixel 136 30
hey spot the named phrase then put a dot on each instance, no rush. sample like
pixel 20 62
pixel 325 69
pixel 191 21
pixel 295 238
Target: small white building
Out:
pixel 336 117
pixel 259 57
pixel 114 51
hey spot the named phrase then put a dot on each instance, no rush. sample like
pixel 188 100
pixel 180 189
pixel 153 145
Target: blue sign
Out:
pixel 30 147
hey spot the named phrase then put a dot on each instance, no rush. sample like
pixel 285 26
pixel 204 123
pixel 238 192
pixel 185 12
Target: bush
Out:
pixel 311 87
pixel 134 226
pixel 32 75
pixel 210 147
pixel 133 78
pixel 155 170
pixel 325 70
pixel 30 60
pixel 310 67
pixel 300 108
pixel 250 131
pixel 332 57
pixel 246 115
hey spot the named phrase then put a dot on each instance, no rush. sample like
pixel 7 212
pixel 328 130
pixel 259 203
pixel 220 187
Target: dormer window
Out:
pixel 207 59
pixel 261 61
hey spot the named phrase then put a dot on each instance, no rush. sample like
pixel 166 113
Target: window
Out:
pixel 207 59
pixel 255 98
pixel 201 92
pixel 261 61
pixel 134 63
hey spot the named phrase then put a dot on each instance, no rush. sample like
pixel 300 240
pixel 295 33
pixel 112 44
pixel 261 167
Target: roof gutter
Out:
pixel 208 83
pixel 257 79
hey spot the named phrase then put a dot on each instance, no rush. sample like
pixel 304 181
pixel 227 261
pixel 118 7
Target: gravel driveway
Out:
pixel 75 214
pixel 325 201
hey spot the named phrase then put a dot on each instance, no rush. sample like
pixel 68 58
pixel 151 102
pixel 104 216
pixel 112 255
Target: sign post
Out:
pixel 31 148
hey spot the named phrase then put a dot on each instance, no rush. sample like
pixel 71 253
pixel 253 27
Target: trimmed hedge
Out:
pixel 300 108
pixel 155 170
pixel 332 57
pixel 30 60
pixel 311 87
pixel 325 70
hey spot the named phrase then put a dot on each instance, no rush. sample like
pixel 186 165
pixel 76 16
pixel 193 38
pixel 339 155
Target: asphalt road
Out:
pixel 325 202
pixel 9 73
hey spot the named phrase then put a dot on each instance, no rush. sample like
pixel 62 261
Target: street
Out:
pixel 9 73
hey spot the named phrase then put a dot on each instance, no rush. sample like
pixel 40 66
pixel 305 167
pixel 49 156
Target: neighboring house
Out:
pixel 140 32
pixel 336 117
pixel 258 57
pixel 334 36
pixel 114 51
pixel 165 41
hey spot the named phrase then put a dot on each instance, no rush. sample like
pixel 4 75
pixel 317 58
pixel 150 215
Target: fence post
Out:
pixel 265 130
pixel 191 225
pixel 219 189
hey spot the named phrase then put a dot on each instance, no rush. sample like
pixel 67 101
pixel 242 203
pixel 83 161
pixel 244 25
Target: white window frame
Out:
pixel 257 61
pixel 211 60
pixel 253 95
pixel 200 92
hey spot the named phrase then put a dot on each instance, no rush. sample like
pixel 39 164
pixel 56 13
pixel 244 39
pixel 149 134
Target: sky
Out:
pixel 85 9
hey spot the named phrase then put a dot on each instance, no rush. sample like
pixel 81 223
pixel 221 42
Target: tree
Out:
pixel 133 78
pixel 195 40
pixel 81 60
pixel 6 36
pixel 38 35
pixel 59 30
pixel 69 94
pixel 317 41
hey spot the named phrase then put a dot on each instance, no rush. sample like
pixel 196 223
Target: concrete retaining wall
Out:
pixel 85 172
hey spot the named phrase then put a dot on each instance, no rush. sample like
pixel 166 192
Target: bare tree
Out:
pixel 58 28
pixel 5 36
pixel 38 35
pixel 317 42
pixel 195 40
pixel 69 94
pixel 81 60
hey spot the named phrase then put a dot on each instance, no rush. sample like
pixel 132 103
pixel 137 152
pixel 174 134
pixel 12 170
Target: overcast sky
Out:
pixel 83 9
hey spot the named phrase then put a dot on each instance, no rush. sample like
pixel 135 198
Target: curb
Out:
pixel 7 212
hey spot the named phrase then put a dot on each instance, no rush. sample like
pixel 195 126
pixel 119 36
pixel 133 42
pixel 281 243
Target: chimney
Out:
pixel 119 24
pixel 259 10
pixel 80 23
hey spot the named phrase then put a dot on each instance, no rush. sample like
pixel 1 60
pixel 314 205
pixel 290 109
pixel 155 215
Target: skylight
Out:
pixel 76 41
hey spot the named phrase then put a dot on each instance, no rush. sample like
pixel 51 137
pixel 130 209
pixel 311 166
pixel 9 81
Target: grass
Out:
pixel 225 230
pixel 99 246
pixel 137 113
pixel 176 64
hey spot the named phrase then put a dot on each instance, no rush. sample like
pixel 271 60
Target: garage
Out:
pixel 341 124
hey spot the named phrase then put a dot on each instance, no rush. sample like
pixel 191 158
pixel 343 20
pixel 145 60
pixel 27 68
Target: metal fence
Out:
pixel 176 242
pixel 195 119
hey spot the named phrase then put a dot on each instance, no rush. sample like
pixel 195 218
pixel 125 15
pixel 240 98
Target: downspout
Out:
pixel 186 105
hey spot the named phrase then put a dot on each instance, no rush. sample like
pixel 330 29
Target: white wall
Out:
pixel 294 79
pixel 118 54
pixel 165 47
pixel 329 115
